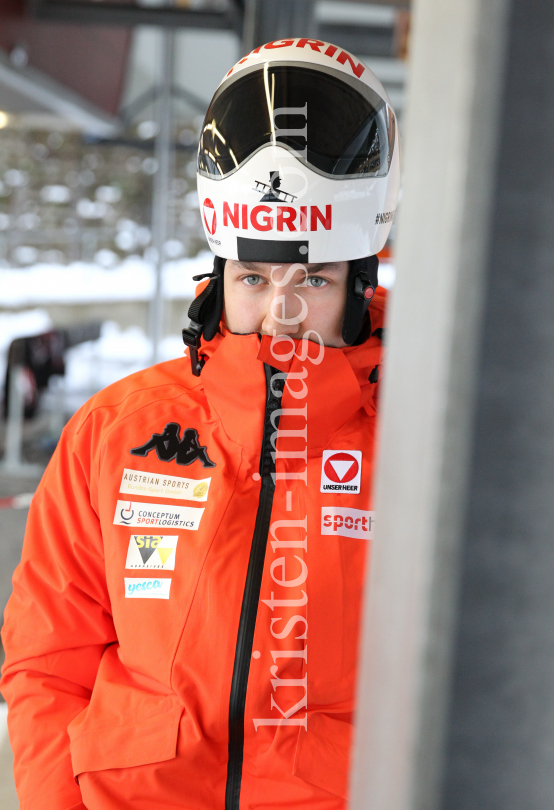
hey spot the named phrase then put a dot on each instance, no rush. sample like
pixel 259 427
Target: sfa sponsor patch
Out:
pixel 341 471
pixel 138 482
pixel 132 513
pixel 152 551
pixel 147 588
pixel 347 522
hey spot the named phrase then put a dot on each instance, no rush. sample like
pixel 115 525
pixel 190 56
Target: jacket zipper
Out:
pixel 251 596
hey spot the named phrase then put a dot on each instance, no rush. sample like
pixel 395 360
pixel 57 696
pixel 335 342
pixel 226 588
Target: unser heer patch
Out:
pixel 341 471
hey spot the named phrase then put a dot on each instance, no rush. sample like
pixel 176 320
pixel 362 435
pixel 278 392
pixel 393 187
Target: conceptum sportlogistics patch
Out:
pixel 152 551
pixel 169 445
pixel 341 471
pixel 138 482
pixel 147 588
pixel 132 513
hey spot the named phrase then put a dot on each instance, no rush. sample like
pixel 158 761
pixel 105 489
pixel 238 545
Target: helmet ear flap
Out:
pixel 362 283
pixel 215 309
pixel 206 309
pixel 205 313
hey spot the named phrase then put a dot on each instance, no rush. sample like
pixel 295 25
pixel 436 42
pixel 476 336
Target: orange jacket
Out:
pixel 183 627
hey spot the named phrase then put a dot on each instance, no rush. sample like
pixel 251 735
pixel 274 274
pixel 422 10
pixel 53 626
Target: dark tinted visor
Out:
pixel 335 128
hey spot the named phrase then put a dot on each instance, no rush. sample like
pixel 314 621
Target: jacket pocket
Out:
pixel 130 720
pixel 125 746
pixel 323 754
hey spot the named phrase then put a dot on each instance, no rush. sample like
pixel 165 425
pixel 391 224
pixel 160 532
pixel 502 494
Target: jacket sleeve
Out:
pixel 57 624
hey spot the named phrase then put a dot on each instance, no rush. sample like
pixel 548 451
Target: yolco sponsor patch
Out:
pixel 147 588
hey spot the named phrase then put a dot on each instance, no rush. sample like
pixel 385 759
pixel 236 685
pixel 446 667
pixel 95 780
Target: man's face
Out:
pixel 286 299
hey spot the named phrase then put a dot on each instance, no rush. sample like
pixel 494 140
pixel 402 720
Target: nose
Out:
pixel 286 311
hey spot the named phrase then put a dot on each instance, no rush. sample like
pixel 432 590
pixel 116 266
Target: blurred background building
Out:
pixel 100 109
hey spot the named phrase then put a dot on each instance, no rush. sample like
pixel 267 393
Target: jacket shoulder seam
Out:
pixel 97 408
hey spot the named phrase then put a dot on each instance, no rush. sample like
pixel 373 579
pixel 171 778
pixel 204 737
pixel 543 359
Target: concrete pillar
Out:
pixel 455 83
pixel 267 21
pixel 500 753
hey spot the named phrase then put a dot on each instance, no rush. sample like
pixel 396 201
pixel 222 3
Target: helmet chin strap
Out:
pixel 206 310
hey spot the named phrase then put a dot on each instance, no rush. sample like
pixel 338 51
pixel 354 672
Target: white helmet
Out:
pixel 298 161
pixel 299 157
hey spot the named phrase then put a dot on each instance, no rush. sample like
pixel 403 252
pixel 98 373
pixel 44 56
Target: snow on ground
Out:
pixel 132 280
pixel 119 352
pixel 81 283
pixel 90 366
pixel 20 324
pixel 387 275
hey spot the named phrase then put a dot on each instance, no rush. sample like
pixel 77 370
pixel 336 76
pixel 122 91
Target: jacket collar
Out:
pixel 333 386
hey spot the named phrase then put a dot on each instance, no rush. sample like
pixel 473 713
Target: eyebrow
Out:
pixel 328 267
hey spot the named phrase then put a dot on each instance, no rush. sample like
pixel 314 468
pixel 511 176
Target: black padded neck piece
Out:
pixel 362 283
pixel 215 310
pixel 204 313
pixel 207 308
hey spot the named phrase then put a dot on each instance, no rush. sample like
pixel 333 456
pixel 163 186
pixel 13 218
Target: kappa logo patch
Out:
pixel 131 513
pixel 137 482
pixel 169 445
pixel 147 588
pixel 152 551
pixel 341 471
pixel 347 522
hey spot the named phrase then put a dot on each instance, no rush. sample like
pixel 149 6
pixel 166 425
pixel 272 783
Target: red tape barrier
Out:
pixel 17 501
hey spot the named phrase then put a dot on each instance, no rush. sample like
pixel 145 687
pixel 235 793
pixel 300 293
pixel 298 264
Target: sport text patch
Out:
pixel 347 522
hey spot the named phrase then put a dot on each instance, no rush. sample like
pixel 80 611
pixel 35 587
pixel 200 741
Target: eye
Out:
pixel 251 281
pixel 317 281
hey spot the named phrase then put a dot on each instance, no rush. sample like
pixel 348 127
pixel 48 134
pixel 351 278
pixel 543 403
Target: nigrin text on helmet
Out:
pixel 333 53
pixel 280 218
